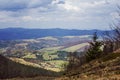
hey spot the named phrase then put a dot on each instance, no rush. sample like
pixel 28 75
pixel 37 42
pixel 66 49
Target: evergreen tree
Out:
pixel 94 50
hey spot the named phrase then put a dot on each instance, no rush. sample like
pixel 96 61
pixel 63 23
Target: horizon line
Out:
pixel 54 28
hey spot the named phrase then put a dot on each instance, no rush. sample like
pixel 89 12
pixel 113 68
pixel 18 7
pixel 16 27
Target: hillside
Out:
pixel 105 68
pixel 47 52
pixel 20 33
pixel 10 69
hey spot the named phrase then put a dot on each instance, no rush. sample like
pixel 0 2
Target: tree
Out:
pixel 112 38
pixel 94 50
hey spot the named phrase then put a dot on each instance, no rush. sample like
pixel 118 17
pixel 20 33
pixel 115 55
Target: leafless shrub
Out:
pixel 112 38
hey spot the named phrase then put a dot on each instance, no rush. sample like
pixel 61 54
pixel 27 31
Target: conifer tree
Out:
pixel 94 50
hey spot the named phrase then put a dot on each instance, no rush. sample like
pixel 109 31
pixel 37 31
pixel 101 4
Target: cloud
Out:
pixel 14 5
pixel 69 7
pixel 39 3
pixel 115 15
pixel 58 2
pixel 57 13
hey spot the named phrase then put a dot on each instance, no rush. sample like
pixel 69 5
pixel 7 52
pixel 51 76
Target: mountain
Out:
pixel 21 33
pixel 12 69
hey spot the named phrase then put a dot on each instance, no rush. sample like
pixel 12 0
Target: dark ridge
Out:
pixel 11 69
pixel 21 33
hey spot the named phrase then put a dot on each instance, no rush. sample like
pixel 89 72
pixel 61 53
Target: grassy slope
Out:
pixel 75 47
pixel 22 61
pixel 10 69
pixel 51 48
pixel 49 38
pixel 105 68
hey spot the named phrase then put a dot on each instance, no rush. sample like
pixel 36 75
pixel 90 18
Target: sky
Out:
pixel 66 14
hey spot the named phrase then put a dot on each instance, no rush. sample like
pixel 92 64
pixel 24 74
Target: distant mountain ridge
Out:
pixel 21 33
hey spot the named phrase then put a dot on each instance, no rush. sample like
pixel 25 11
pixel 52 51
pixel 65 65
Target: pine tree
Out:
pixel 94 50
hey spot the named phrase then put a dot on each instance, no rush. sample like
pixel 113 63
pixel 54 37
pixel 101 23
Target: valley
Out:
pixel 46 52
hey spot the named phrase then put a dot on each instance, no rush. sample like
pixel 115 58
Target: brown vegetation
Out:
pixel 10 69
pixel 105 68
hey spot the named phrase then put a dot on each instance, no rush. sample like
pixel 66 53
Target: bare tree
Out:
pixel 112 38
pixel 75 59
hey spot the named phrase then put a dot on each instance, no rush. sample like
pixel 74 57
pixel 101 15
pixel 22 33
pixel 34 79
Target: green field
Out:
pixel 30 55
pixel 49 38
pixel 57 63
pixel 51 48
pixel 75 47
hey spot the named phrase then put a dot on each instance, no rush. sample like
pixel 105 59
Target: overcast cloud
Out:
pixel 70 14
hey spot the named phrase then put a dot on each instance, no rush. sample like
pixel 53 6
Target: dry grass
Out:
pixel 34 78
pixel 12 69
pixel 22 61
pixel 105 68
